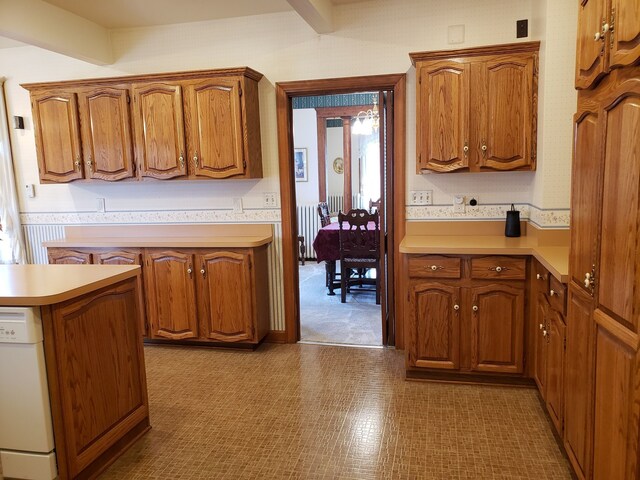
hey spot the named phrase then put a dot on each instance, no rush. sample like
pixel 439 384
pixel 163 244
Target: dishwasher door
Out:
pixel 26 432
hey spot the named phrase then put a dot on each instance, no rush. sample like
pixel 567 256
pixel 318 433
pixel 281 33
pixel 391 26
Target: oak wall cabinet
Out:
pixel 477 108
pixel 467 314
pixel 608 38
pixel 205 295
pixel 190 125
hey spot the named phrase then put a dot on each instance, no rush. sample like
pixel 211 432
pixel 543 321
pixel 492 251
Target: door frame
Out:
pixel 285 91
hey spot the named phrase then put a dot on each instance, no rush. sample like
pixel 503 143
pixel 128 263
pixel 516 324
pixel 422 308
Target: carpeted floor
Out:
pixel 324 319
pixel 322 412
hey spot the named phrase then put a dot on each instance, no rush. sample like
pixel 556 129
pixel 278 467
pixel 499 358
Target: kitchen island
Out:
pixel 94 356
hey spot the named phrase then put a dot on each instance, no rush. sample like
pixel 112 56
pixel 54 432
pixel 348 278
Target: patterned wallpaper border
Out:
pixel 552 218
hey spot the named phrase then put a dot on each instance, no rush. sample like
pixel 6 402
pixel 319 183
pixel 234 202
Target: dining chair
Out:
pixel 359 248
pixel 323 211
pixel 373 205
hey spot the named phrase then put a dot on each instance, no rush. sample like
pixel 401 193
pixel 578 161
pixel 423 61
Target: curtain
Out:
pixel 11 242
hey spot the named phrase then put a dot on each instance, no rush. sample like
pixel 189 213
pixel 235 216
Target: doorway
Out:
pixel 391 93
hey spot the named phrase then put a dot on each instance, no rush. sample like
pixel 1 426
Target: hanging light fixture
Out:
pixel 367 121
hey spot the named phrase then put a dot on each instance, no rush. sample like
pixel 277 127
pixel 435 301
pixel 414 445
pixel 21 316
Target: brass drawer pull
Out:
pixel 552 293
pixel 456 307
pixel 435 267
pixel 498 269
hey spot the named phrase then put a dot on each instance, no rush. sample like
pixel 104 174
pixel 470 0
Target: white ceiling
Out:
pixel 144 13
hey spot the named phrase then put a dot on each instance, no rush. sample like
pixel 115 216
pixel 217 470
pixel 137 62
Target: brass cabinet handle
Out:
pixel 484 149
pixel 538 276
pixel 552 293
pixel 541 326
pixel 195 159
pixel 597 36
pixel 77 162
pixel 498 269
pixel 181 160
pixel 544 333
pixel 436 267
pixel 456 307
pixel 90 163
pixel 189 270
pixel 202 271
pixel 475 308
pixel 465 149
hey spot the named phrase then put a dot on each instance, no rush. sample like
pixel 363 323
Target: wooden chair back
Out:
pixel 356 241
pixel 323 212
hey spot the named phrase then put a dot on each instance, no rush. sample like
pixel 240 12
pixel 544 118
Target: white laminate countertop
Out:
pixel 554 258
pixel 36 285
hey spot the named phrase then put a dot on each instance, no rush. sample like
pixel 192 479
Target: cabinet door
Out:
pixel 554 394
pixel 591 52
pixel 55 118
pixel 624 20
pixel 497 326
pixel 171 298
pixel 434 340
pixel 106 133
pixel 578 387
pixel 59 256
pixel 540 342
pixel 585 196
pixel 504 113
pixel 619 265
pixel 226 296
pixel 617 413
pixel 443 116
pixel 159 130
pixel 215 129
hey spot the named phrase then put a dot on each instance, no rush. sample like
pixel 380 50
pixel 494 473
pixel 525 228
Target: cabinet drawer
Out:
pixel 557 295
pixel 434 266
pixel 494 267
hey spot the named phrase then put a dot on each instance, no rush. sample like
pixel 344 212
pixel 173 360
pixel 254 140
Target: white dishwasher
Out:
pixel 26 433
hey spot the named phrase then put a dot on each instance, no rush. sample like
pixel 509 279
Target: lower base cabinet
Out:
pixel 467 314
pixel 194 295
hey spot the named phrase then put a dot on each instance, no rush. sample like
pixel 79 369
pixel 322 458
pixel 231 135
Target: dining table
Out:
pixel 327 248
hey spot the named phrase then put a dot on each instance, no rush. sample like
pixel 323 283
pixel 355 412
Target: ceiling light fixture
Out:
pixel 367 122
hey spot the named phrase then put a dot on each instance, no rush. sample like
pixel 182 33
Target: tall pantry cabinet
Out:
pixel 602 408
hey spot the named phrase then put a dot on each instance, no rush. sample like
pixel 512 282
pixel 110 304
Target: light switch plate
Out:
pixel 270 200
pixel 420 197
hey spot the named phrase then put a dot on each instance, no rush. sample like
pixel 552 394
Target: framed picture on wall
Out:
pixel 300 164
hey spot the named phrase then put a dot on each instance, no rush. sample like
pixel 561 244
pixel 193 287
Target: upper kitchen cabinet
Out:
pixel 608 38
pixel 160 145
pixel 229 107
pixel 106 133
pixel 189 125
pixel 57 131
pixel 477 108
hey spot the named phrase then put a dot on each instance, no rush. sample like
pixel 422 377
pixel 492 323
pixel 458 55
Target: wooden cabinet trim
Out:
pixel 520 47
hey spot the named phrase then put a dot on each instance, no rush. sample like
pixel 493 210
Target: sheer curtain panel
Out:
pixel 11 242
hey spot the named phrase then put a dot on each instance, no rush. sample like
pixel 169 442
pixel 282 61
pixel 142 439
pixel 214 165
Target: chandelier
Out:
pixel 367 122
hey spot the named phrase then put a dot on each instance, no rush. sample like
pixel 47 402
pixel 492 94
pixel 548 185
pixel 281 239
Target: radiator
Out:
pixel 34 235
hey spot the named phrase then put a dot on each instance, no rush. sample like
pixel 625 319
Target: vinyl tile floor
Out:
pixel 327 412
pixel 324 319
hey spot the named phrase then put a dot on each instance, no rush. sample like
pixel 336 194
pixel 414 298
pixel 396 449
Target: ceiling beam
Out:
pixel 317 13
pixel 43 25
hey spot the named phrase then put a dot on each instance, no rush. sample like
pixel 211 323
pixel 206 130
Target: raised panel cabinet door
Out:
pixel 617 281
pixel 106 133
pixel 57 132
pixel 159 130
pixel 215 128
pixel 624 24
pixel 171 296
pixel 585 197
pixel 591 50
pixel 443 116
pixel 506 119
pixel 226 296
pixel 64 256
pixel 555 369
pixel 578 384
pixel 540 342
pixel 124 257
pixel 434 340
pixel 617 413
pixel 497 328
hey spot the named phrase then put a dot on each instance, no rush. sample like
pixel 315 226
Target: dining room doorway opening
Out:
pixel 337 150
pixel 338 167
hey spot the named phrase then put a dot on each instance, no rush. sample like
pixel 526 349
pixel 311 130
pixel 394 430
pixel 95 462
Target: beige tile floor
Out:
pixel 323 412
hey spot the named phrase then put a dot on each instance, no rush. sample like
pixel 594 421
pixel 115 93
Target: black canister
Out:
pixel 512 226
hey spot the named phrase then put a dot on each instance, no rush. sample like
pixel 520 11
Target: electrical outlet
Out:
pixel 458 204
pixel 270 200
pixel 237 205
